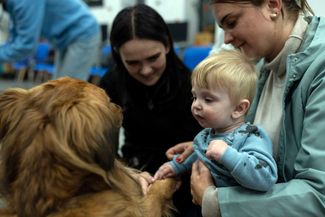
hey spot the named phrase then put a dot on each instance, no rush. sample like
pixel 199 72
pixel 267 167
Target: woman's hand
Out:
pixel 184 150
pixel 200 180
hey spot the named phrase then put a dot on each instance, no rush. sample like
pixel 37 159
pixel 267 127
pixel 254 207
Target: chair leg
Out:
pixel 95 79
pixel 40 76
pixel 21 74
pixel 47 76
pixel 31 74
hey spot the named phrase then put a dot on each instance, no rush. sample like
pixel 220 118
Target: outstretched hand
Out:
pixel 164 171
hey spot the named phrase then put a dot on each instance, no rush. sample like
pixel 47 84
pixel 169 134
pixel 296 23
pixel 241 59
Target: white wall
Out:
pixel 170 10
pixel 179 11
pixel 105 14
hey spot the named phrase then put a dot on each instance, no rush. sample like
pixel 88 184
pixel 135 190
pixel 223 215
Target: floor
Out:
pixel 12 82
pixel 8 83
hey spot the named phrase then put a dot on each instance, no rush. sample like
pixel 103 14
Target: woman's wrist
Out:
pixel 210 202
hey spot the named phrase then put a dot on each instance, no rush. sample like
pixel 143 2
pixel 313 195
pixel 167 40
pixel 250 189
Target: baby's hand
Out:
pixel 216 149
pixel 164 171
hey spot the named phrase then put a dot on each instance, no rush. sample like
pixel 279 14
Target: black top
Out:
pixel 155 118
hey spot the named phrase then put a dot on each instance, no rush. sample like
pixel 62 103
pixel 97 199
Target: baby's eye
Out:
pixel 208 100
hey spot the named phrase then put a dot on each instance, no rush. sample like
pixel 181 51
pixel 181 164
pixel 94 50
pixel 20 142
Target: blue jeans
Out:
pixel 76 60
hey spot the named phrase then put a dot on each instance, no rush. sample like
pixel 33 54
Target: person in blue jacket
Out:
pixel 67 24
pixel 289 104
pixel 236 153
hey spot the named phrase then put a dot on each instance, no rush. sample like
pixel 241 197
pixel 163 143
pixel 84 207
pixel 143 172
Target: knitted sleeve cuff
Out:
pixel 210 204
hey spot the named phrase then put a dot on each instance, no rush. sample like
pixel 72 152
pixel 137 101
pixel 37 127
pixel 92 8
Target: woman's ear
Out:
pixel 167 49
pixel 274 7
pixel 241 109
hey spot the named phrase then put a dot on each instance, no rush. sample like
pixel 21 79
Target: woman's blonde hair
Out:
pixel 293 7
pixel 230 70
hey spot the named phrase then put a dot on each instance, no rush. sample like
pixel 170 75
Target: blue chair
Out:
pixel 193 55
pixel 177 50
pixel 42 56
pixel 38 62
pixel 23 67
pixel 42 62
pixel 106 50
pixel 98 71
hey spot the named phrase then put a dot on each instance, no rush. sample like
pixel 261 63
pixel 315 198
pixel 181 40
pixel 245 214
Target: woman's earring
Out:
pixel 274 15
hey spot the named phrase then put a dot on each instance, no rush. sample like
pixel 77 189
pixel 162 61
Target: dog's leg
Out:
pixel 159 198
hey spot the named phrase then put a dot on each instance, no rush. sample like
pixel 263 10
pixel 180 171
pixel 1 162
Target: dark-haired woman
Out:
pixel 152 85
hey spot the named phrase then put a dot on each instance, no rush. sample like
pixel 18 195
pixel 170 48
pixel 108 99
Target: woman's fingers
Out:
pixel 200 180
pixel 187 152
pixel 183 149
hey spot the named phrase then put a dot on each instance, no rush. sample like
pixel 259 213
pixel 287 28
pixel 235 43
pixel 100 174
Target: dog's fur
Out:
pixel 57 156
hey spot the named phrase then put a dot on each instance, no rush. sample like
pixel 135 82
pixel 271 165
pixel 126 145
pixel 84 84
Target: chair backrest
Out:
pixel 42 52
pixel 106 49
pixel 193 55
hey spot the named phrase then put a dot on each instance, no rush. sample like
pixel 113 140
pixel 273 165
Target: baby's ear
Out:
pixel 241 109
pixel 11 109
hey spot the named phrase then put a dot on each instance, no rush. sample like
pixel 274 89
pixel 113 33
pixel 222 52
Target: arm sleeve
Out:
pixel 252 165
pixel 210 201
pixel 180 168
pixel 26 17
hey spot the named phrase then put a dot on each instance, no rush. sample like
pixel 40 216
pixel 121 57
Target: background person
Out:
pixel 67 24
pixel 292 81
pixel 153 87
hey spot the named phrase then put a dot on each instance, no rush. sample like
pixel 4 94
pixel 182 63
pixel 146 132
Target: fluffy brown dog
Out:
pixel 57 156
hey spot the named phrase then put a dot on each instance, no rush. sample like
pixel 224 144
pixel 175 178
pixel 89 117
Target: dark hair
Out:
pixel 142 22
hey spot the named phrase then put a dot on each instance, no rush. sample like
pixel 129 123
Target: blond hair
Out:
pixel 230 70
pixel 293 7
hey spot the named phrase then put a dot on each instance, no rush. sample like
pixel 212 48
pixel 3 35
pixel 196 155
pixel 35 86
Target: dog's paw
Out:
pixel 165 187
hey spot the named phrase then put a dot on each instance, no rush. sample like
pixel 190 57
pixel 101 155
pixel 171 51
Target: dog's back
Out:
pixel 112 204
pixel 57 156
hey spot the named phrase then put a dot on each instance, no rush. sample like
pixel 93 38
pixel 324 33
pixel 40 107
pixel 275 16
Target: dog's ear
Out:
pixel 107 150
pixel 11 109
pixel 87 122
pixel 108 147
pixel 11 112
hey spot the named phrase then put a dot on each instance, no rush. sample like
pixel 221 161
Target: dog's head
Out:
pixel 48 131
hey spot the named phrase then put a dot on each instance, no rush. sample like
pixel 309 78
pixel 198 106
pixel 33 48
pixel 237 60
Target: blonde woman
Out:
pixel 289 104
